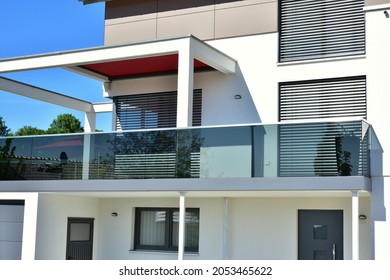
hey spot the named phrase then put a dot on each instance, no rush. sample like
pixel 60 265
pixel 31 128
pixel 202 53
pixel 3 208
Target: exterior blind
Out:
pixel 313 148
pixel 311 29
pixel 156 110
pixel 341 97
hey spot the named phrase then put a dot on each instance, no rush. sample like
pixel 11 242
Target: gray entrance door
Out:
pixel 11 229
pixel 320 235
pixel 80 239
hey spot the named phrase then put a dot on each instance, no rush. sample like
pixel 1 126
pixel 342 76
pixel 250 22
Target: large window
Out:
pixel 320 99
pixel 323 98
pixel 311 29
pixel 153 110
pixel 158 229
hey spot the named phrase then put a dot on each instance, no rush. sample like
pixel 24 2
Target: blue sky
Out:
pixel 29 27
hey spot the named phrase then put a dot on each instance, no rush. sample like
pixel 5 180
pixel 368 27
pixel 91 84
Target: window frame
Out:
pixel 168 230
pixel 350 16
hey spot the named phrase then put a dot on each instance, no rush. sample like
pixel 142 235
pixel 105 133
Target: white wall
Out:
pixel 53 213
pixel 378 88
pixel 266 228
pixel 117 233
pixel 259 228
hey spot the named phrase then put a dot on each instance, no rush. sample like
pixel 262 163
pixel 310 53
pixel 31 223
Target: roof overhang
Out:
pixel 125 61
pixel 85 2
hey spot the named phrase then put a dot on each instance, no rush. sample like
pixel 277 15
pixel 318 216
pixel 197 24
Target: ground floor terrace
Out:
pixel 274 225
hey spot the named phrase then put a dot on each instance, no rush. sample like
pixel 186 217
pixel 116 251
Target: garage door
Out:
pixel 11 229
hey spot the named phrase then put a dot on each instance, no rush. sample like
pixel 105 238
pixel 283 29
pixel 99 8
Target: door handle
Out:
pixel 334 251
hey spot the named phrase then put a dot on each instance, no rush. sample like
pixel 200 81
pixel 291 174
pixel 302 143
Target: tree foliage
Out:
pixel 65 123
pixel 29 130
pixel 4 130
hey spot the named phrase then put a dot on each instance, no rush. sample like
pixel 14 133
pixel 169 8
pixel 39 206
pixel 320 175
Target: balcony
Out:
pixel 251 151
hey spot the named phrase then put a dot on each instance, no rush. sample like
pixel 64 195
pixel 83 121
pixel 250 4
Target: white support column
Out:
pixel 89 122
pixel 185 85
pixel 182 215
pixel 355 226
pixel 225 237
pixel 89 126
pixel 30 226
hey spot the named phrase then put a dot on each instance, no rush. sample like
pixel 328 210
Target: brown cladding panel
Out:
pixel 130 32
pixel 376 2
pixel 171 5
pixel 134 20
pixel 246 20
pixel 200 25
pixel 129 8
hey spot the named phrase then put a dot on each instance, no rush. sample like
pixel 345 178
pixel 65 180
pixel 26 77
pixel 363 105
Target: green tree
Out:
pixel 29 130
pixel 11 168
pixel 4 130
pixel 65 123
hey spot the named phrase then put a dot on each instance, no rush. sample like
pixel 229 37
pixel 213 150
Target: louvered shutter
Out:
pixel 327 98
pixel 311 149
pixel 311 29
pixel 156 110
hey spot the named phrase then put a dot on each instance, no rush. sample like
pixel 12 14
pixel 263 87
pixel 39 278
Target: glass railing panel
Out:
pixel 320 149
pixel 225 152
pixel 282 150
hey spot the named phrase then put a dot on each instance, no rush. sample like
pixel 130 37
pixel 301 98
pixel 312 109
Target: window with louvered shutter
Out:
pixel 311 149
pixel 325 98
pixel 155 110
pixel 312 29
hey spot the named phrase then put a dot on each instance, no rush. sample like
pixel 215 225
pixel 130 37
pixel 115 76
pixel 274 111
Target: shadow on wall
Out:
pixel 377 198
pixel 248 107
pixel 119 9
pixel 228 98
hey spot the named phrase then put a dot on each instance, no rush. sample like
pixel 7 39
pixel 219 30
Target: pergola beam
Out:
pixel 72 60
pixel 213 57
pixel 44 95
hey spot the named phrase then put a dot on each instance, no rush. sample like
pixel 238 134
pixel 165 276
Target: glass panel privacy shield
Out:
pixel 280 150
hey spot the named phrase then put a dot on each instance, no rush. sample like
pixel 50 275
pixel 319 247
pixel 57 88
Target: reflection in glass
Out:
pixel 191 229
pixel 321 255
pixel 152 228
pixel 306 149
pixel 320 232
pixel 79 231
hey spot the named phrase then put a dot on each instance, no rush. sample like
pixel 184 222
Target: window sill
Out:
pixel 161 252
pixel 321 60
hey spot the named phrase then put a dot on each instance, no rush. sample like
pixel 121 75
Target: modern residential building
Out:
pixel 252 129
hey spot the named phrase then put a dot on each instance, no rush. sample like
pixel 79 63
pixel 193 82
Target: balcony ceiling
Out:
pixel 155 65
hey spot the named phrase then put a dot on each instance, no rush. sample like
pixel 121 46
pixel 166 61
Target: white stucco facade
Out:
pixel 234 224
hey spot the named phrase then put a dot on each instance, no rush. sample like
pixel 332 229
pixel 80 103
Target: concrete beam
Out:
pixel 213 57
pixel 44 95
pixel 103 107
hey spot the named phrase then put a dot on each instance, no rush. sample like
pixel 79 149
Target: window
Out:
pixel 158 229
pixel 318 155
pixel 311 29
pixel 153 110
pixel 324 98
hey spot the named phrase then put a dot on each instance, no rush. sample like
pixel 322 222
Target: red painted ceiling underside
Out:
pixel 141 66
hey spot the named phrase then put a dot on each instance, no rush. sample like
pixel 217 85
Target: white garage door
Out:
pixel 11 229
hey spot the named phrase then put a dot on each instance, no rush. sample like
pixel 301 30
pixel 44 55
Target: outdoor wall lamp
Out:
pixel 237 96
pixel 114 214
pixel 386 14
pixel 362 217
